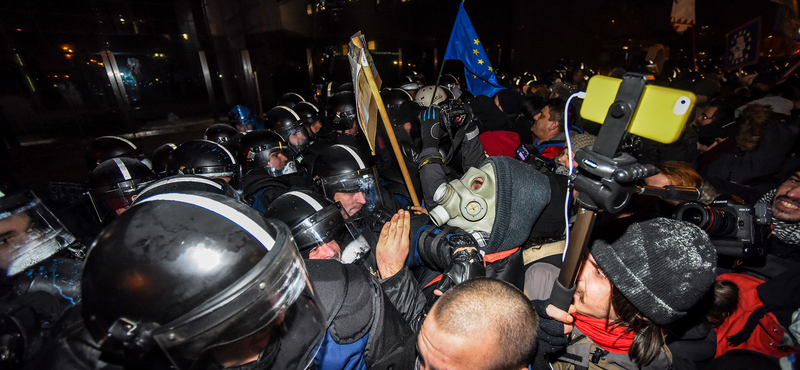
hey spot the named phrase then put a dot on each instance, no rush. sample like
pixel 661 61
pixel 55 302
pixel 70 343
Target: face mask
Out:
pixel 464 207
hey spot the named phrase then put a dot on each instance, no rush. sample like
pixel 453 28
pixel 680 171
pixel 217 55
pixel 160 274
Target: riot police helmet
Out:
pixel 341 169
pixel 221 134
pixel 186 184
pixel 240 117
pixel 267 150
pixel 116 181
pixel 309 116
pixel 200 279
pixel 204 158
pixel 341 110
pixel 321 228
pixel 107 147
pixel 290 99
pixel 286 123
pixel 161 157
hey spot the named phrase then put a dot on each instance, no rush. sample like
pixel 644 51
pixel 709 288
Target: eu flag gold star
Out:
pixel 475 51
pixel 490 68
pixel 474 76
pixel 480 61
pixel 477 42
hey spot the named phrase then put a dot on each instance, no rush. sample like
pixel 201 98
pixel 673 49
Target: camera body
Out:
pixel 736 229
pixel 532 157
pixel 455 114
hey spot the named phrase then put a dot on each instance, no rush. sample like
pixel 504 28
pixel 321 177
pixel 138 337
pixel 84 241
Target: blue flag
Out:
pixel 465 46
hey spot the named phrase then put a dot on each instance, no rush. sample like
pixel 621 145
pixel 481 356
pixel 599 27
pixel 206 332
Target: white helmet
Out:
pixel 425 95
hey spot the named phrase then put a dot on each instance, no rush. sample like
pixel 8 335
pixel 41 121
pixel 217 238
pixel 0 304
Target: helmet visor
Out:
pixel 29 233
pixel 272 306
pixel 120 195
pixel 364 180
pixel 328 224
pixel 297 137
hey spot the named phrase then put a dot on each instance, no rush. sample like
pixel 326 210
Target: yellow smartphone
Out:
pixel 661 115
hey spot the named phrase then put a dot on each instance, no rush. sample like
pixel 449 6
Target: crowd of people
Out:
pixel 291 241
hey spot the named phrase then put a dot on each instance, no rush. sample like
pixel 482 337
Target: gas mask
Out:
pixel 469 202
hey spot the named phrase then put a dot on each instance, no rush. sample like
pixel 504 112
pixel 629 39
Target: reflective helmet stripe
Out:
pixel 123 169
pixel 297 95
pixel 228 152
pixel 354 154
pixel 296 117
pixel 176 180
pixel 122 139
pixel 223 210
pixel 313 203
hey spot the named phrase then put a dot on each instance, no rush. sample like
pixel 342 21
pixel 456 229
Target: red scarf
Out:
pixel 613 340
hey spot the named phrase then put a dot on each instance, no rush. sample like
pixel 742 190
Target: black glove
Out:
pixel 551 331
pixel 432 122
pixel 464 264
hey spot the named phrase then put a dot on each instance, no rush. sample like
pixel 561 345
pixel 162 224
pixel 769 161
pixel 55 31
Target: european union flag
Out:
pixel 742 45
pixel 465 46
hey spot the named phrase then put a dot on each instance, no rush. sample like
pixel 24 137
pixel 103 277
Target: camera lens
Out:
pixel 715 221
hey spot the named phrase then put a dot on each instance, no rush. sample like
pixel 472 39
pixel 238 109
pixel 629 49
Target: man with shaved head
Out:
pixel 482 324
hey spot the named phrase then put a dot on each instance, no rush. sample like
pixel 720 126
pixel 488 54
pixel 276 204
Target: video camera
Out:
pixel 455 113
pixel 532 157
pixel 735 229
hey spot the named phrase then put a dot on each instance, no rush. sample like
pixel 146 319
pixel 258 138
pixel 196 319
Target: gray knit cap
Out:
pixel 522 194
pixel 662 266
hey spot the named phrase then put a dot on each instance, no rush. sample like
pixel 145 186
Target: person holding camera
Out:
pixel 638 278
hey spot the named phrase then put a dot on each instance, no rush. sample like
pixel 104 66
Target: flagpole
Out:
pixel 439 77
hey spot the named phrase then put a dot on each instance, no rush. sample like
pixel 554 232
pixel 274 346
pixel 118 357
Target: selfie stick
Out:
pixel 605 180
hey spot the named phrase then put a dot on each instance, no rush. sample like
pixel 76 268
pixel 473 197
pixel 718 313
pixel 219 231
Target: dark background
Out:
pixel 57 92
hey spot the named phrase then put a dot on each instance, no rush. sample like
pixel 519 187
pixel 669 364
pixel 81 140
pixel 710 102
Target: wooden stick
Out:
pixel 387 124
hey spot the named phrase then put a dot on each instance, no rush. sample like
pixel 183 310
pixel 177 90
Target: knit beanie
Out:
pixel 522 193
pixel 662 266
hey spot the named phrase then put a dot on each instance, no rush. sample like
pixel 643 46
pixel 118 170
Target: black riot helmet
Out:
pixel 290 99
pixel 267 150
pixel 308 113
pixel 397 105
pixel 115 182
pixel 190 276
pixel 186 184
pixel 160 158
pixel 451 83
pixel 316 222
pixel 394 98
pixel 342 169
pixel 221 134
pixel 204 158
pixel 347 86
pixel 341 110
pixel 107 147
pixel 286 123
